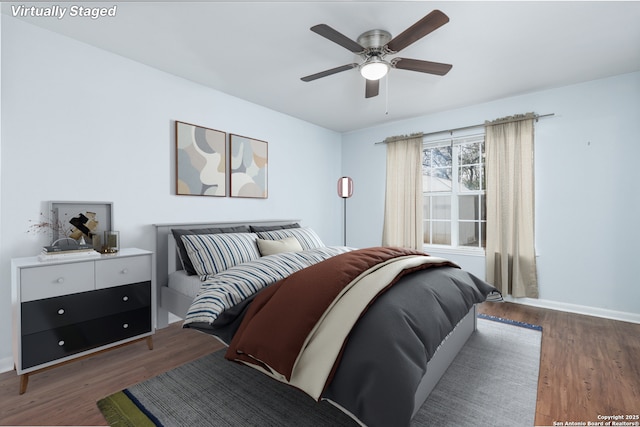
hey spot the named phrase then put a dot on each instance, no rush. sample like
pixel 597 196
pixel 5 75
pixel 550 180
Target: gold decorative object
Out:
pixel 111 242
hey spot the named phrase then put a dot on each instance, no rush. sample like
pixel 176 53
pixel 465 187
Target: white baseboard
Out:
pixel 6 364
pixel 579 309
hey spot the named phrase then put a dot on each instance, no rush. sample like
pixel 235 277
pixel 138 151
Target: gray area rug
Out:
pixel 493 381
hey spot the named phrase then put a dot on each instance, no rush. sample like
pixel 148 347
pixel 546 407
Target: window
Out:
pixel 454 193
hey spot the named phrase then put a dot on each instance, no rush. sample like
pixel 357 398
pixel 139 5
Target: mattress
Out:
pixel 181 282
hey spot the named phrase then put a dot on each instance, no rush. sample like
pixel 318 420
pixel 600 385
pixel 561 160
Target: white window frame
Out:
pixel 454 143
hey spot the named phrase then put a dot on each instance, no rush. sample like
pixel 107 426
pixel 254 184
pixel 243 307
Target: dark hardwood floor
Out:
pixel 589 367
pixel 67 395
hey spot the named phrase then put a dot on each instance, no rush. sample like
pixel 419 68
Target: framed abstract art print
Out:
pixel 249 160
pixel 201 161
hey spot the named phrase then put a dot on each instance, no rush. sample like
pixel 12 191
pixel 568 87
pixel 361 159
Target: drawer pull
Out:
pixel 125 270
pixel 61 311
pixel 60 280
pixel 61 343
pixel 125 326
pixel 125 298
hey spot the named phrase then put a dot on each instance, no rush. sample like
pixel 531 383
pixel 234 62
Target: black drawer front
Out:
pixel 54 344
pixel 51 313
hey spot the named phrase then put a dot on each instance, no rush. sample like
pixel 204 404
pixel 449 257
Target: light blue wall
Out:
pixel 79 123
pixel 587 196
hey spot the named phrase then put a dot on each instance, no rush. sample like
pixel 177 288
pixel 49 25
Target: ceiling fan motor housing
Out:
pixel 374 40
pixel 374 66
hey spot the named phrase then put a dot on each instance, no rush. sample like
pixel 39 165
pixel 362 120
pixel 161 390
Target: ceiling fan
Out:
pixel 374 46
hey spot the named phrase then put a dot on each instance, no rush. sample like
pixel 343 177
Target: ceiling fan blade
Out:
pixel 328 72
pixel 422 66
pixel 336 37
pixel 429 23
pixel 372 88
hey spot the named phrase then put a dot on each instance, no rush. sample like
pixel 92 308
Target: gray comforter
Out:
pixel 387 351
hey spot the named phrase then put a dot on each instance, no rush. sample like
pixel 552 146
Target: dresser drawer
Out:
pixel 121 271
pixel 56 312
pixel 53 344
pixel 126 298
pixel 53 280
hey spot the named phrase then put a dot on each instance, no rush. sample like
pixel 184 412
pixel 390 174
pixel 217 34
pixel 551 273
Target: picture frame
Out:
pixel 201 161
pixel 97 217
pixel 249 159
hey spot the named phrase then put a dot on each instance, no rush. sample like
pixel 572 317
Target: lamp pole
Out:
pixel 345 190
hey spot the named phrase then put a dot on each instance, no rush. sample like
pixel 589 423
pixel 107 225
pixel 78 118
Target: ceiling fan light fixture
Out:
pixel 374 69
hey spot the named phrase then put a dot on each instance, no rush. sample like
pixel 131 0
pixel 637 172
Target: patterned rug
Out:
pixel 493 381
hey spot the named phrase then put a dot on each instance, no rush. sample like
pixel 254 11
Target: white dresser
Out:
pixel 66 309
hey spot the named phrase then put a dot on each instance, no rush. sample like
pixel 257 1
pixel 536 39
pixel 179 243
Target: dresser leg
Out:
pixel 150 342
pixel 24 381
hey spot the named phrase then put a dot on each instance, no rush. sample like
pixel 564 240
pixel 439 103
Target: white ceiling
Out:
pixel 258 51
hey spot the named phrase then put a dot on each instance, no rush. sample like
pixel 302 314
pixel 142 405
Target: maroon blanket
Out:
pixel 281 317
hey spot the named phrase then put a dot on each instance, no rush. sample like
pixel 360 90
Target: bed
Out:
pixel 343 387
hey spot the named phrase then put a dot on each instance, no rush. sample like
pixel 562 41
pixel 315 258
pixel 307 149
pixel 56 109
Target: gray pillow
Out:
pixel 258 228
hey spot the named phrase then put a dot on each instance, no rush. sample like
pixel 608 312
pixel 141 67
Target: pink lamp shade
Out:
pixel 345 187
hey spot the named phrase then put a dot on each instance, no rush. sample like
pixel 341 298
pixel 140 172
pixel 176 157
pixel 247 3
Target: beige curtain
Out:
pixel 510 247
pixel 403 197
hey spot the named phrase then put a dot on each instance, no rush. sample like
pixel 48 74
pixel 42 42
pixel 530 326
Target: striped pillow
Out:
pixel 306 236
pixel 182 251
pixel 213 253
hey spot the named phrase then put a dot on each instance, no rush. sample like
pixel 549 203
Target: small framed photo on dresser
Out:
pixel 77 220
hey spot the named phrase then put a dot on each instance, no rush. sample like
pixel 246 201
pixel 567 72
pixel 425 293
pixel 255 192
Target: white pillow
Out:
pixel 271 247
pixel 307 238
pixel 213 253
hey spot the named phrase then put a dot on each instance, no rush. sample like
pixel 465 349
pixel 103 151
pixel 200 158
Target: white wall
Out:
pixel 79 123
pixel 587 195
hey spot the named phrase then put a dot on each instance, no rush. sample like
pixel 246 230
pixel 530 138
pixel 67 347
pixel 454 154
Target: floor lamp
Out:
pixel 345 190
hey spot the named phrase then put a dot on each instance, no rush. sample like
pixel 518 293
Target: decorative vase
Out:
pixel 111 242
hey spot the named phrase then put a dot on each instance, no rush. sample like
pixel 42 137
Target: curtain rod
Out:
pixel 515 119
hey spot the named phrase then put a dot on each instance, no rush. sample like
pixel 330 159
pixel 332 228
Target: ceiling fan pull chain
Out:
pixel 386 95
